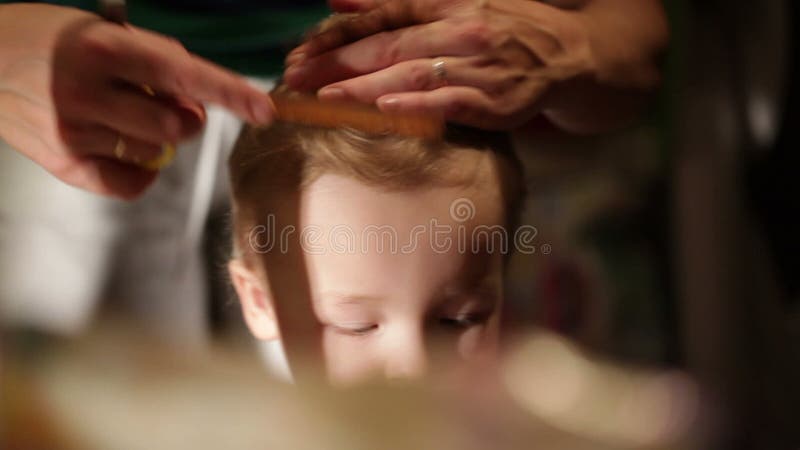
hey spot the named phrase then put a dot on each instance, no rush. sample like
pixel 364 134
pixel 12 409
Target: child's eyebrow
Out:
pixel 343 298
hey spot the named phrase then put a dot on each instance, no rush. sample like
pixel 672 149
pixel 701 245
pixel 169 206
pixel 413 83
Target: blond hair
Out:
pixel 270 162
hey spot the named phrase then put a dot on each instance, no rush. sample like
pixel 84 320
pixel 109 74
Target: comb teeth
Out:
pixel 308 110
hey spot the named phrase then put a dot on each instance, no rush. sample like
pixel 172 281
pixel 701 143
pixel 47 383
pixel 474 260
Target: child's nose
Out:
pixel 407 359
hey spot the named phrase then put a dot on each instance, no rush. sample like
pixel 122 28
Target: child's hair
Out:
pixel 269 162
pixel 283 158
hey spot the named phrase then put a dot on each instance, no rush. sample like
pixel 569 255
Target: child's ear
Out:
pixel 256 303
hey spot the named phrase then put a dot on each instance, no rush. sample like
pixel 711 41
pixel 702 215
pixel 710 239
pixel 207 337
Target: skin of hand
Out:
pixel 72 84
pixel 589 66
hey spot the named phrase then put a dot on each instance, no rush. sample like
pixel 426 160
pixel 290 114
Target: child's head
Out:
pixel 400 236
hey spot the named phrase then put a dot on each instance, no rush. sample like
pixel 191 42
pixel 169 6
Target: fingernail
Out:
pixel 295 75
pixel 299 49
pixel 331 93
pixel 193 119
pixel 198 112
pixel 389 104
pixel 262 112
pixel 294 58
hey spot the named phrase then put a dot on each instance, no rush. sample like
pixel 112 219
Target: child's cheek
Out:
pixel 477 341
pixel 348 359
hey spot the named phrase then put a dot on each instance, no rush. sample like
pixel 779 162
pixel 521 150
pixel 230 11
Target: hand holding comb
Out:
pixel 306 109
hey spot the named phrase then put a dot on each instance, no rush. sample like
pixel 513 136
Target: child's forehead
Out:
pixel 373 280
pixel 361 233
pixel 333 197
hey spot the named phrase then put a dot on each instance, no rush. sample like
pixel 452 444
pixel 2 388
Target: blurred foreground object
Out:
pixel 629 407
pixel 117 390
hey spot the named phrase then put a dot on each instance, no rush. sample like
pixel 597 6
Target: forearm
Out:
pixel 626 38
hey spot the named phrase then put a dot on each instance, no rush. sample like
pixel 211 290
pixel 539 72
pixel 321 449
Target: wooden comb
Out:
pixel 306 109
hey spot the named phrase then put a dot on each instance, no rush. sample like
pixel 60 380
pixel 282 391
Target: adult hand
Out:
pixel 500 62
pixel 73 85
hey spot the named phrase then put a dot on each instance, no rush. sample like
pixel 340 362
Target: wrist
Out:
pixel 615 75
pixel 577 71
pixel 625 53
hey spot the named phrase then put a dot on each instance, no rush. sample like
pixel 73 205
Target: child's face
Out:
pixel 393 299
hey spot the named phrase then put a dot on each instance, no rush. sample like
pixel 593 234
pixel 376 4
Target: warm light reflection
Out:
pixel 631 407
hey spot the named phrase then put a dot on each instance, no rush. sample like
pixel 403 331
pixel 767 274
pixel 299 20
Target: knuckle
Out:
pixel 330 38
pixel 570 34
pixel 387 16
pixel 506 83
pixel 100 48
pixel 476 32
pixel 390 50
pixel 345 29
pixel 419 76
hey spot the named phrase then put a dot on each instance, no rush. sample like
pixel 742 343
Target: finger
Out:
pixel 417 75
pixel 108 177
pixel 142 57
pixel 191 112
pixel 344 6
pixel 388 15
pixel 132 112
pixel 98 141
pixel 458 104
pixel 194 111
pixel 441 38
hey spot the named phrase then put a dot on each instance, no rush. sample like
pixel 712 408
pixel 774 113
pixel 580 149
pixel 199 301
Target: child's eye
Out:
pixel 357 330
pixel 463 322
